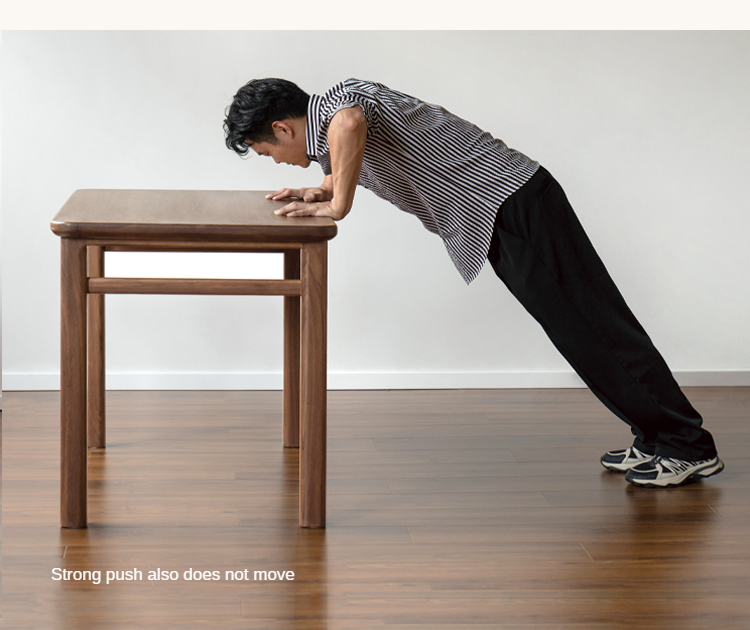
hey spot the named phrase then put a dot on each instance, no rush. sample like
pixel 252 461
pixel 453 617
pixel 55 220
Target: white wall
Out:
pixel 647 131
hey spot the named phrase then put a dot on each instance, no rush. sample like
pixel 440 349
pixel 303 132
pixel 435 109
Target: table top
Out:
pixel 193 215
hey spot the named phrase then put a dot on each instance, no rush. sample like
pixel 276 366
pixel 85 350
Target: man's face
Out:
pixel 290 147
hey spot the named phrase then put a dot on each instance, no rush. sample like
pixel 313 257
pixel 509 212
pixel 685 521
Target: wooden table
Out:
pixel 94 221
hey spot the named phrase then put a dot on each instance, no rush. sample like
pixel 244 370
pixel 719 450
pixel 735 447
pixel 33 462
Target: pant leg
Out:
pixel 541 252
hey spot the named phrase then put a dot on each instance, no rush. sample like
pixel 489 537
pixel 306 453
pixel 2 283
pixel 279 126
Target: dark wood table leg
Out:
pixel 96 372
pixel 73 384
pixel 291 353
pixel 312 457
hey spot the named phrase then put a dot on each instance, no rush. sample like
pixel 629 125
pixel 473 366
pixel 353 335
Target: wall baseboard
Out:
pixel 358 380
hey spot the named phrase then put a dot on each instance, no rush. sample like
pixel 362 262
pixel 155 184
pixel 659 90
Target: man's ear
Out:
pixel 280 127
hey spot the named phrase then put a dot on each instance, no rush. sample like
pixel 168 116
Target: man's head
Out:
pixel 268 115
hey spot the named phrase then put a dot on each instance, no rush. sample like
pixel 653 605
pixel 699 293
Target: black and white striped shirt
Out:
pixel 446 171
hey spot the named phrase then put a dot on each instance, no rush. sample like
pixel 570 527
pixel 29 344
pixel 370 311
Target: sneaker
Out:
pixel 622 461
pixel 661 472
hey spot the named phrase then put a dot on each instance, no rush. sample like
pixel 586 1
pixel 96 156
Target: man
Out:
pixel 487 202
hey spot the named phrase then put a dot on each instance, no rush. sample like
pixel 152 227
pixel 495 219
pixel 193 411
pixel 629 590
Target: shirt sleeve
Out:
pixel 346 94
pixel 367 108
pixel 341 97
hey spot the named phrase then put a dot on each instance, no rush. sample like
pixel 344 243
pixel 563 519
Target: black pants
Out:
pixel 541 252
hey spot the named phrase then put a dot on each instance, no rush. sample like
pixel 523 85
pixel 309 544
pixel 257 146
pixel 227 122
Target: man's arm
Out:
pixel 347 136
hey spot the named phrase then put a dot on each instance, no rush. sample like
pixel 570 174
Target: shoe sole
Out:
pixel 698 474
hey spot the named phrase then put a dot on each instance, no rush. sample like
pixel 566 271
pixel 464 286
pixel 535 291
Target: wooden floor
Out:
pixel 446 509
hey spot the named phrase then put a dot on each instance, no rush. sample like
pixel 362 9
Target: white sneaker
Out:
pixel 622 461
pixel 662 472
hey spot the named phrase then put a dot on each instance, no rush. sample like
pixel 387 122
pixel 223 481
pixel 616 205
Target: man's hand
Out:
pixel 347 136
pixel 306 194
pixel 304 209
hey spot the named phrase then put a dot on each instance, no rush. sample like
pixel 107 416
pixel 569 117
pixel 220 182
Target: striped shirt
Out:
pixel 424 160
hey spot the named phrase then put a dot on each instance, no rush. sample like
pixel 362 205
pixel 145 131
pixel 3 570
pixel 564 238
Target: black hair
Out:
pixel 256 106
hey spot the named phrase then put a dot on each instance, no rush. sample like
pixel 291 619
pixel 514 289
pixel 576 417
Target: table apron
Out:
pixel 191 246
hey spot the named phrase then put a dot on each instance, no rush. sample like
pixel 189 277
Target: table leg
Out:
pixel 312 468
pixel 291 353
pixel 73 384
pixel 96 372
